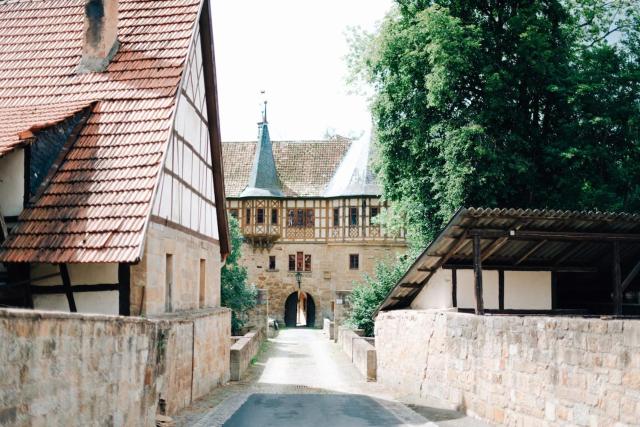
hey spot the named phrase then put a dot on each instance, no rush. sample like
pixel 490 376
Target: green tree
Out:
pixel 530 103
pixel 367 295
pixel 236 293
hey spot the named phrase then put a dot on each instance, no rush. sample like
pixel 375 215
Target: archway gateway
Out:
pixel 299 310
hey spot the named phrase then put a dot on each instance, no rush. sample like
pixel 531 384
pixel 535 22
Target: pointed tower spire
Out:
pixel 263 181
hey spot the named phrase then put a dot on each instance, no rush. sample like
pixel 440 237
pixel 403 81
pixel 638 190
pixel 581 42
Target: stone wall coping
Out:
pixel 520 317
pixel 187 316
pixel 190 315
pixel 243 341
pixel 21 313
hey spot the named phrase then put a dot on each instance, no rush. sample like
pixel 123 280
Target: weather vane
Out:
pixel 264 111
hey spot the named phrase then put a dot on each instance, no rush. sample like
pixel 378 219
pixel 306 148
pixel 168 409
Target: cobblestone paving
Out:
pixel 304 362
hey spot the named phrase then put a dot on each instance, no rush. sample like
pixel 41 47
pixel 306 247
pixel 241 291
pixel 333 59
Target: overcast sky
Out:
pixel 294 50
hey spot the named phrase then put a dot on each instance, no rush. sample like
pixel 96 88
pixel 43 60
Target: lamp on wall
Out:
pixel 299 279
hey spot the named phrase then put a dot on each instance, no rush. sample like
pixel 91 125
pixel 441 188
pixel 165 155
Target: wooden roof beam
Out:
pixel 554 235
pixel 506 267
pixel 632 274
pixel 530 252
pixel 493 247
pixel 571 252
pixel 410 285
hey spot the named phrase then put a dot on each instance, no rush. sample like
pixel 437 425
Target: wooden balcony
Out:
pixel 261 235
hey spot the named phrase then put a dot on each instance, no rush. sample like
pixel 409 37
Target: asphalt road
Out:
pixel 303 379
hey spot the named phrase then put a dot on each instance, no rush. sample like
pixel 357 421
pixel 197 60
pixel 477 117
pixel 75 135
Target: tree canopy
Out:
pixel 504 104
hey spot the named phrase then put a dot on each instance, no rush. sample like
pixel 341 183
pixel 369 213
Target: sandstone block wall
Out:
pixel 328 329
pixel 243 350
pixel 515 371
pixel 196 356
pixel 361 352
pixel 148 277
pixel 82 369
pixel 329 273
pixel 59 369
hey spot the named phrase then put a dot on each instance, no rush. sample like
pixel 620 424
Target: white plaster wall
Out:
pixel 12 183
pixel 437 293
pixel 54 302
pixel 527 290
pixel 465 289
pixel 80 274
pixel 86 302
pixel 97 302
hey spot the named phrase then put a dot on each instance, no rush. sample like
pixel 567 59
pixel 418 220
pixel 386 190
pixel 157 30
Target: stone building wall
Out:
pixel 197 355
pixel 68 369
pixel 187 251
pixel 329 273
pixel 515 371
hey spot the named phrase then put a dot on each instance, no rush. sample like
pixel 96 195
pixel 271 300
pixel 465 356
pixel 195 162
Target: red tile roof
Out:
pixel 97 204
pixel 304 167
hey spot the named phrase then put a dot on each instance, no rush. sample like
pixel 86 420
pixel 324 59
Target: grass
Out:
pixel 264 346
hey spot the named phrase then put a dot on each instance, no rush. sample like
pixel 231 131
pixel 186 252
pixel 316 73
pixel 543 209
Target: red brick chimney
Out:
pixel 100 35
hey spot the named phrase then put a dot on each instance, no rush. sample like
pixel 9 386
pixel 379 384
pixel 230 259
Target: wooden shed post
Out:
pixel 617 280
pixel 477 269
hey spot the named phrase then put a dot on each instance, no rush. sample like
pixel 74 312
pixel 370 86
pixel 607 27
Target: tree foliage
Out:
pixel 369 294
pixel 514 104
pixel 236 293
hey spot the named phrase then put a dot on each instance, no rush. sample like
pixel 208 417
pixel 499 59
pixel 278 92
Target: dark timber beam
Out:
pixel 617 280
pixel 410 285
pixel 454 287
pixel 562 269
pixel 554 235
pixel 66 282
pixel 477 269
pixel 61 289
pixel 3 228
pixel 571 252
pixel 530 252
pixel 124 289
pixel 493 247
pixel 632 275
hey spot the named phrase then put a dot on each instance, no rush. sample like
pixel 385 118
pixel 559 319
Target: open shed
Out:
pixel 528 261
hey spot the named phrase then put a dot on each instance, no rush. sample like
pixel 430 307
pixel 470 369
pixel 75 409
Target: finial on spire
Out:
pixel 264 110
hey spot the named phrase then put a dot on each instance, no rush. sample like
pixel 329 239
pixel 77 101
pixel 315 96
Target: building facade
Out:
pixel 307 212
pixel 111 185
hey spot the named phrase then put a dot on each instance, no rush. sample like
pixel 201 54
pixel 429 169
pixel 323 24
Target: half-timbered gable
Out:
pixel 185 194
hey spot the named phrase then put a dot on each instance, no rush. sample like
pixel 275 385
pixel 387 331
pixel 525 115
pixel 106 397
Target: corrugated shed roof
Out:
pixel 94 209
pixel 516 244
pixel 304 167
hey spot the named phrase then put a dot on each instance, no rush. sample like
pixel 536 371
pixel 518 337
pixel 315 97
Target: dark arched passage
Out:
pixel 299 312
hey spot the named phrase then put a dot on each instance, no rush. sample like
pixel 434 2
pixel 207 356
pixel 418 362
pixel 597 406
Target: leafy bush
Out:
pixel 236 293
pixel 367 296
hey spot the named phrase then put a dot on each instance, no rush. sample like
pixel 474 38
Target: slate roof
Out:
pixel 263 179
pixel 304 168
pixel 96 206
pixel 355 175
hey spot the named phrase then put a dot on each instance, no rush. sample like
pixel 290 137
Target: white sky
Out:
pixel 294 50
